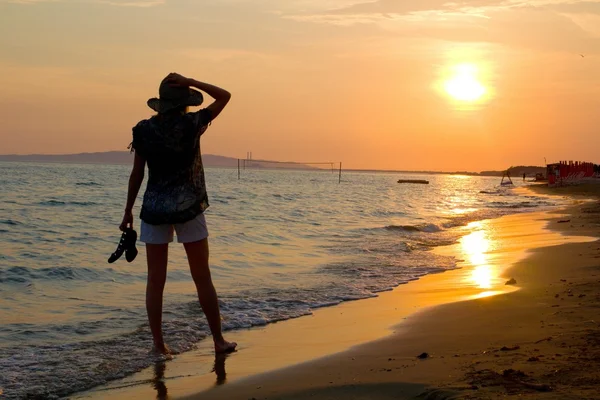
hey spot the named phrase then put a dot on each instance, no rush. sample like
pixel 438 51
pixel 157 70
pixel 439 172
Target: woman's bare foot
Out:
pixel 223 346
pixel 162 350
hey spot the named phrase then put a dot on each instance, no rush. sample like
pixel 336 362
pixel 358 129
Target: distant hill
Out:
pixel 407 171
pixel 517 171
pixel 124 157
pixel 211 160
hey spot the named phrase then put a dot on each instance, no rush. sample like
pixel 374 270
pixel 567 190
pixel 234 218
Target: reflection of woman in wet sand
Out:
pixel 158 381
pixel 219 368
pixel 175 197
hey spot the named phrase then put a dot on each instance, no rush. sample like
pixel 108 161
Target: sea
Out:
pixel 283 243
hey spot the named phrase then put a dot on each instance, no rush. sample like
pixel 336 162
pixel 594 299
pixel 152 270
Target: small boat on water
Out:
pixel 506 181
pixel 419 181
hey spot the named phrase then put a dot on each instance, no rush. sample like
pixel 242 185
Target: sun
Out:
pixel 463 84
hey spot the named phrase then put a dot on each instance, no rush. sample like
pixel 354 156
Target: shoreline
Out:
pixel 32 159
pixel 528 342
pixel 293 343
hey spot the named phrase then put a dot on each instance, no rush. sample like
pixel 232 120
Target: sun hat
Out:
pixel 172 97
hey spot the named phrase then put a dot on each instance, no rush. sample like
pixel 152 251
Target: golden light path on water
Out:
pixel 476 248
pixel 492 247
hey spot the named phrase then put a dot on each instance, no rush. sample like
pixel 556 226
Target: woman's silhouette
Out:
pixel 175 197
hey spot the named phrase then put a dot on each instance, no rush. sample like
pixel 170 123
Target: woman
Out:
pixel 175 197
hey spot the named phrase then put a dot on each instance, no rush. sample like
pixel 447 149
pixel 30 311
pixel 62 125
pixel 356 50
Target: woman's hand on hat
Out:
pixel 178 80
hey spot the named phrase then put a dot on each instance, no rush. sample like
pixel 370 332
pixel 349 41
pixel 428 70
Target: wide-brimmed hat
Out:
pixel 172 97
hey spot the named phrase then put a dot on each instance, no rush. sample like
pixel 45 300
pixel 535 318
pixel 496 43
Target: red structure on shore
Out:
pixel 572 173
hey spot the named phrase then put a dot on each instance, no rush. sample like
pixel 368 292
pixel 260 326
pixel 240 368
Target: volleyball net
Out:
pixel 334 166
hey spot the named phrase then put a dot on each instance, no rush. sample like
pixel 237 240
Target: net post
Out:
pixel 340 178
pixel 238 169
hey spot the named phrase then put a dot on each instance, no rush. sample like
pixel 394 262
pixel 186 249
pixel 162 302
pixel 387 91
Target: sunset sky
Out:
pixel 387 84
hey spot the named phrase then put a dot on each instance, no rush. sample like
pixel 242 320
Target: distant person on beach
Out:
pixel 524 175
pixel 175 197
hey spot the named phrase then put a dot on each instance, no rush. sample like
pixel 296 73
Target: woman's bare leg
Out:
pixel 157 256
pixel 197 253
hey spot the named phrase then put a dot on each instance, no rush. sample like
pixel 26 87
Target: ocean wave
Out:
pixel 51 365
pixel 19 274
pixel 52 372
pixel 499 192
pixel 479 215
pixel 520 204
pixel 54 203
pixel 429 228
pixel 285 197
pixel 22 274
pixel 389 213
pixel 26 275
pixel 495 210
pixel 90 183
pixel 11 222
pixel 97 362
pixel 433 241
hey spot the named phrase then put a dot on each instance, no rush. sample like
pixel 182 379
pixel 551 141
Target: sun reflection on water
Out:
pixel 462 210
pixel 476 248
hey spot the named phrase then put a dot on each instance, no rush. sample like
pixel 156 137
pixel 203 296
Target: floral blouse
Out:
pixel 176 190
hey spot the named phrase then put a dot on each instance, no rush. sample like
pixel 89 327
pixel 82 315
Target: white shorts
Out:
pixel 187 232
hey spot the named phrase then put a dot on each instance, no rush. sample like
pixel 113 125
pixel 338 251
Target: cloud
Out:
pixel 581 7
pixel 383 11
pixel 119 3
pixel 428 10
pixel 220 55
pixel 545 25
pixel 133 3
pixel 26 2
pixel 409 7
pixel 406 7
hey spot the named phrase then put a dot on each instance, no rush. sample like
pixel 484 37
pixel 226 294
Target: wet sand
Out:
pixel 482 338
pixel 542 341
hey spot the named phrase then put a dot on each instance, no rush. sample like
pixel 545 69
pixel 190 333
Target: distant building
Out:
pixel 572 173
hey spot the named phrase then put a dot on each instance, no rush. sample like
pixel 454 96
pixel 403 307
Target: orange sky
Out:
pixel 313 80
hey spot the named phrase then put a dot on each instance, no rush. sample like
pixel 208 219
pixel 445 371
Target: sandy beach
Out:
pixel 541 341
pixel 477 336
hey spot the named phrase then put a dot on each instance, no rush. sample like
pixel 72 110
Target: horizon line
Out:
pixel 455 172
